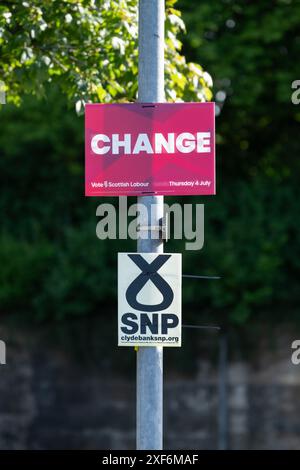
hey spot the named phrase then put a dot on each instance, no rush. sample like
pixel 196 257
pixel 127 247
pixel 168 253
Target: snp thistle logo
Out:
pixel 2 93
pixel 2 352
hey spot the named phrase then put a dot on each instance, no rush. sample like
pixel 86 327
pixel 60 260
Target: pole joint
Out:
pixel 159 231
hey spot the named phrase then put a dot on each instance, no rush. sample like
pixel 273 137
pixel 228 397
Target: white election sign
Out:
pixel 149 299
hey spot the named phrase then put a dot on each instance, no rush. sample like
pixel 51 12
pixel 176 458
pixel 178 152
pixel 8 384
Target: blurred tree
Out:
pixel 251 235
pixel 51 262
pixel 88 47
pixel 50 259
pixel 252 50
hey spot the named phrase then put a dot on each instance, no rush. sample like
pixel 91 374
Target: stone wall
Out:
pixel 49 400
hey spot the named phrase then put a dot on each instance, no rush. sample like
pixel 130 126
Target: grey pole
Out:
pixel 150 359
pixel 223 392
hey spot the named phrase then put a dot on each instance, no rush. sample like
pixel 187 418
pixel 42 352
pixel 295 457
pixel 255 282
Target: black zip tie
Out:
pixel 193 276
pixel 209 327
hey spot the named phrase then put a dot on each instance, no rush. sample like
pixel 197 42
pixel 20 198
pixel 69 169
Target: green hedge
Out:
pixel 53 266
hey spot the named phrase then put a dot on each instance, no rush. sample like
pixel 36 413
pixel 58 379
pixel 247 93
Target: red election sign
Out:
pixel 149 148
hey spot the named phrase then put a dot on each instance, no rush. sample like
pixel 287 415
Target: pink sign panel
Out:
pixel 149 148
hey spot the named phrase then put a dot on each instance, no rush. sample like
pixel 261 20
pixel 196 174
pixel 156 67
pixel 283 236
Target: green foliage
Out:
pixel 252 51
pixel 90 49
pixel 82 278
pixel 52 264
pixel 23 269
pixel 87 49
pixel 252 241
